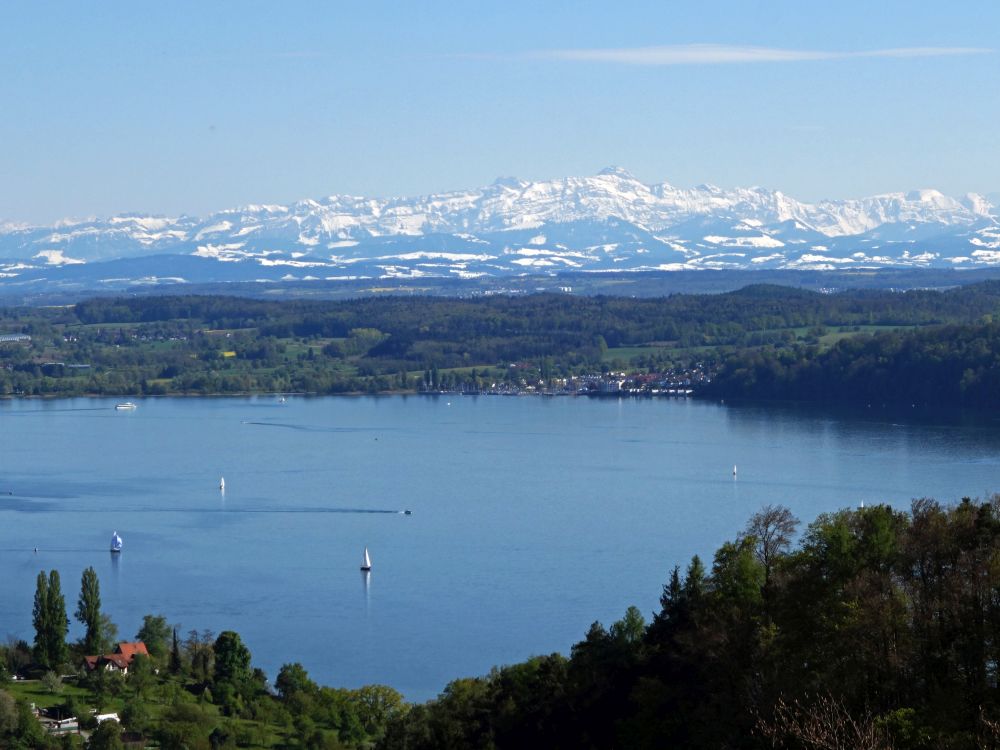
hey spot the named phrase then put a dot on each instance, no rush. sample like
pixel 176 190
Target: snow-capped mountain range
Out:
pixel 607 222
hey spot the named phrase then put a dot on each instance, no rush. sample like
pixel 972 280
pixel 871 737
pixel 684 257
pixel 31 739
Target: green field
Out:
pixel 252 734
pixel 33 691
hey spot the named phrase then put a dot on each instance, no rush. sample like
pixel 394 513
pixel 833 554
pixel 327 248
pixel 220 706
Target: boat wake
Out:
pixel 48 411
pixel 40 550
pixel 310 428
pixel 383 511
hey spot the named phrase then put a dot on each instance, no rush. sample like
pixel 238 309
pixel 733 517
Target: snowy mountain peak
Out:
pixel 615 171
pixel 511 182
pixel 978 204
pixel 928 195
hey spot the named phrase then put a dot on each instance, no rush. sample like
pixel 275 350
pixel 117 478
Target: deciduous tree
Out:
pixel 155 633
pixel 232 668
pixel 771 529
pixel 50 621
pixel 107 736
pixel 88 611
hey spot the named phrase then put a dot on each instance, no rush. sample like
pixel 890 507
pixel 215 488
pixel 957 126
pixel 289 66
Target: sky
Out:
pixel 182 107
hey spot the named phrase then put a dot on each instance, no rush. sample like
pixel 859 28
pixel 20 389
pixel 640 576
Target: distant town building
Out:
pixel 610 386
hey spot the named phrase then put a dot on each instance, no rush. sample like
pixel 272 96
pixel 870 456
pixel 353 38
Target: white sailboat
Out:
pixel 367 564
pixel 116 542
pixel 222 483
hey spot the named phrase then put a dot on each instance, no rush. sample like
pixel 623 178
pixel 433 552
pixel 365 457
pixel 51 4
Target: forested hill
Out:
pixel 953 365
pixel 708 318
pixel 214 345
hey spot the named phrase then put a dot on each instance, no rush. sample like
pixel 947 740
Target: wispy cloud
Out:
pixel 720 54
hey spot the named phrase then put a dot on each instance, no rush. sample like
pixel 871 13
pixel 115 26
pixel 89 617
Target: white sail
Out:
pixel 222 483
pixel 116 542
pixel 368 561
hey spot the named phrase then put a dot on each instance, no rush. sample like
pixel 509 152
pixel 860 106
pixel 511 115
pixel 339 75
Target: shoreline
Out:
pixel 348 394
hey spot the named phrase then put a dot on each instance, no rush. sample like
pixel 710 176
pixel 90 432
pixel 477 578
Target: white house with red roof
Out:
pixel 119 660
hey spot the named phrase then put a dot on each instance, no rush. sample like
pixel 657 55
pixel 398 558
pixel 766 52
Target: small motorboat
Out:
pixel 125 406
pixel 367 564
pixel 116 542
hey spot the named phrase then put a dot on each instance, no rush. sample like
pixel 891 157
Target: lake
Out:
pixel 531 517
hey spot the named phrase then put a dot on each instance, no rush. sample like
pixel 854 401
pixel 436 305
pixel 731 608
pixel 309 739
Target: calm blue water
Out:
pixel 531 518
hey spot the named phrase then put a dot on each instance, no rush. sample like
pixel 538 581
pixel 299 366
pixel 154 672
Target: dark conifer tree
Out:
pixel 175 655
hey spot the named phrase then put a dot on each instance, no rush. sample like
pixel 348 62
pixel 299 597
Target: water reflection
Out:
pixel 114 584
pixel 366 583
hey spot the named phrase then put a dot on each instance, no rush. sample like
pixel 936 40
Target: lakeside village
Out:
pixel 673 383
pixel 516 379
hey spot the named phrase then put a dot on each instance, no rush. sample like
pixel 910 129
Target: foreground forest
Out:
pixel 764 341
pixel 872 629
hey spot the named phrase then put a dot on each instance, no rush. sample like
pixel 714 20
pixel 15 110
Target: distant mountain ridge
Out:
pixel 606 222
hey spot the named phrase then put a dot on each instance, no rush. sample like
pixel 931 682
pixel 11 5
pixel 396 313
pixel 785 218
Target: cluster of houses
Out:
pixel 681 382
pixel 119 661
pixel 649 384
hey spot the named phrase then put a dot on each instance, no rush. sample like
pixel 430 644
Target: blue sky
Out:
pixel 193 107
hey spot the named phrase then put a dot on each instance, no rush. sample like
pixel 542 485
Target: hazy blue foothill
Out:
pixel 530 519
